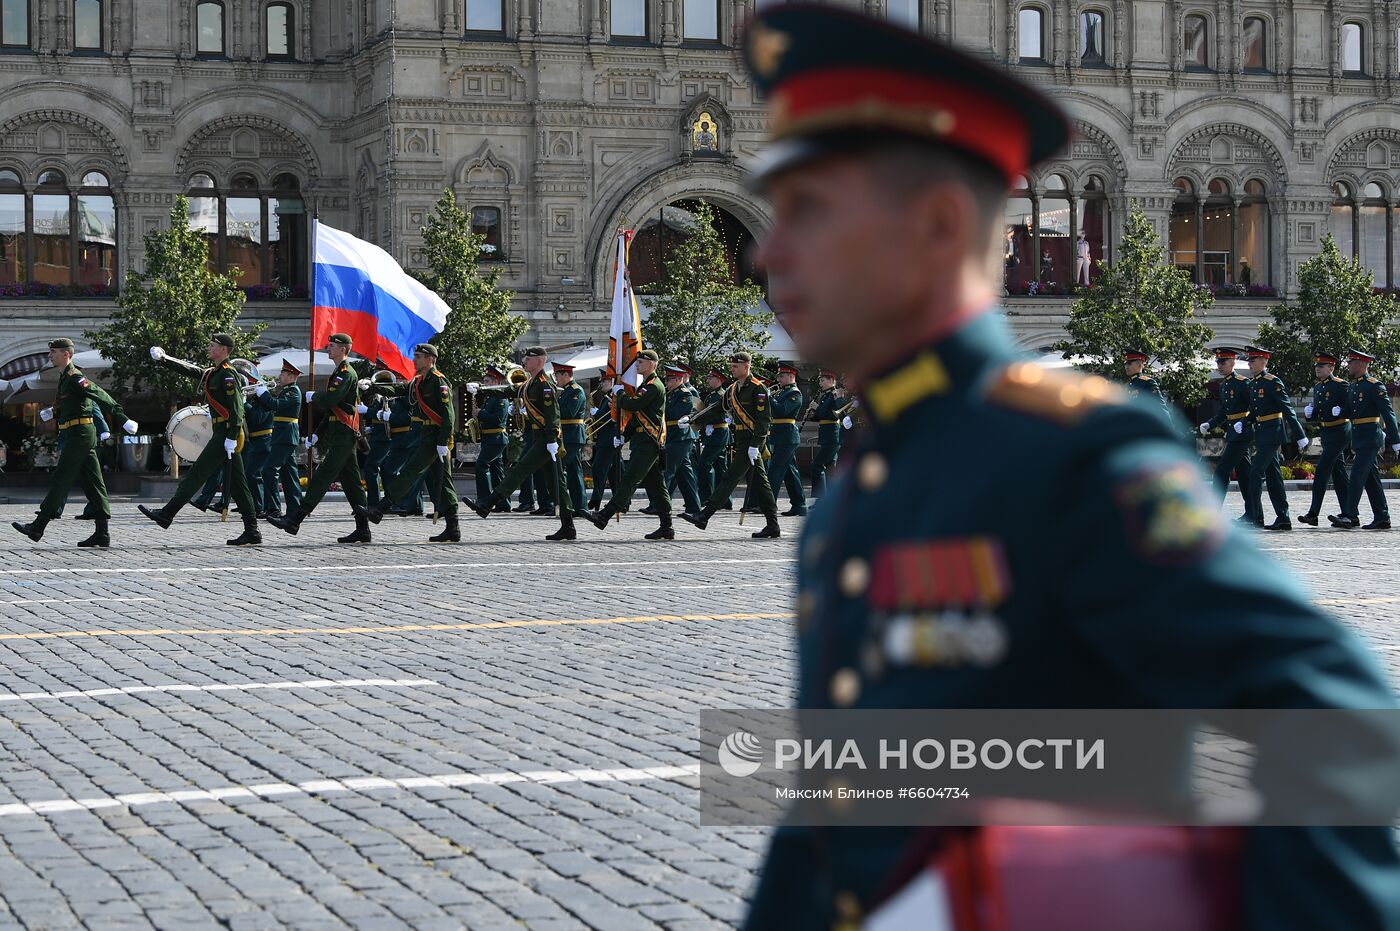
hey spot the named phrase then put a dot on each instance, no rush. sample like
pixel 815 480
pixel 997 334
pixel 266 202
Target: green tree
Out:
pixel 699 315
pixel 1335 310
pixel 176 302
pixel 480 327
pixel 1140 303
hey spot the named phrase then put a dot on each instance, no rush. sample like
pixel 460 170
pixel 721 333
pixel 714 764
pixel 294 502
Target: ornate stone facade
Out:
pixel 569 132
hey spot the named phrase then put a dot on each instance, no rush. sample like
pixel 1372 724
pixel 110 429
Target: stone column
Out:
pixel 1232 270
pixel 1200 237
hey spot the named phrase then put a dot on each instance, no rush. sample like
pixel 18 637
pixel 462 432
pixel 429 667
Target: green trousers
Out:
pixel 424 465
pixel 533 460
pixel 77 463
pixel 214 461
pixel 645 468
pixel 338 463
pixel 760 491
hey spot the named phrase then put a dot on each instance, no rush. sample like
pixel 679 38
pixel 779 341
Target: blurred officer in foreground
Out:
pixel 888 178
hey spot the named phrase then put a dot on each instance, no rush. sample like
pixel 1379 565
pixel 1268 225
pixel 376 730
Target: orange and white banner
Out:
pixel 625 334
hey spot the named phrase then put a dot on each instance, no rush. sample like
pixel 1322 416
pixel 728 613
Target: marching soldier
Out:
pixel 746 402
pixel 1330 405
pixel 405 426
pixel 257 449
pixel 1140 383
pixel 1233 419
pixel 1097 574
pixel 493 414
pixel 338 407
pixel 679 465
pixel 573 420
pixel 714 437
pixel 284 402
pixel 221 386
pixel 432 397
pixel 604 451
pixel 784 439
pixel 644 414
pixel 93 505
pixel 831 421
pixel 1372 422
pixel 1275 422
pixel 537 397
pixel 77 456
pixel 379 438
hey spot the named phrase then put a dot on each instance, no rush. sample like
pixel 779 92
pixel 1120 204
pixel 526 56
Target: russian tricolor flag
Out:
pixel 361 291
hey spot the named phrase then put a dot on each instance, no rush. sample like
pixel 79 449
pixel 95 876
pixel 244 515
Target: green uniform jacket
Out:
pixel 337 400
pixel 573 414
pixel 493 414
pixel 220 387
pixel 828 421
pixel 680 403
pixel 76 397
pixel 746 404
pixel 1271 409
pixel 285 405
pixel 786 404
pixel 1146 386
pixel 1234 408
pixel 430 395
pixel 1334 392
pixel 539 398
pixel 1367 398
pixel 648 407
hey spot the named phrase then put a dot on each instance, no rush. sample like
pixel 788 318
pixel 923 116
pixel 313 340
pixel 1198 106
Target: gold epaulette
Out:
pixel 1055 394
pixel 1271 376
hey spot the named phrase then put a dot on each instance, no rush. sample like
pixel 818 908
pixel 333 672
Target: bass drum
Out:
pixel 189 431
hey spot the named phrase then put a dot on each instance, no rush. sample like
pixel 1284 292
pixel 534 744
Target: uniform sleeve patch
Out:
pixel 1168 516
pixel 82 382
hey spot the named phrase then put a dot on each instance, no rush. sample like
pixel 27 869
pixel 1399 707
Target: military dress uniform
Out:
pixel 1094 582
pixel 1233 419
pixel 643 413
pixel 1275 424
pixel 1143 385
pixel 1373 423
pixel 604 453
pixel 93 507
pixel 713 461
pixel 1330 406
pixel 573 426
pixel 281 471
pixel 829 417
pixel 783 440
pixel 493 416
pixel 404 429
pixel 380 442
pixel 680 443
pixel 73 408
pixel 256 452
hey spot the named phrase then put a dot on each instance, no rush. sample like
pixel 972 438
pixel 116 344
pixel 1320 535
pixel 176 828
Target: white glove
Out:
pixel 1205 428
pixel 709 429
pixel 753 454
pixel 728 419
pixel 157 354
pixel 472 387
pixel 310 395
pixel 46 414
pixel 1304 443
pixel 1308 412
pixel 384 415
pixel 683 422
pixel 1337 411
pixel 442 453
pixel 104 435
pixel 361 409
pixel 617 442
pixel 1395 448
pixel 130 427
pixel 311 440
pixel 593 412
pixel 365 384
pixel 260 390
pixel 1239 426
pixel 847 423
pixel 230 445
pixel 553 450
pixel 617 389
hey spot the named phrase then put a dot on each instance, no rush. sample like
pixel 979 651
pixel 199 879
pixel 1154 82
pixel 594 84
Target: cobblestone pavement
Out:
pixel 491 735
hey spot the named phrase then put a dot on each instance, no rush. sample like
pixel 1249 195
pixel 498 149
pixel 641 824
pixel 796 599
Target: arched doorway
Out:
pixel 660 233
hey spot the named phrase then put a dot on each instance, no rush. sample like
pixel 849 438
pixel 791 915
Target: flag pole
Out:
pixel 311 341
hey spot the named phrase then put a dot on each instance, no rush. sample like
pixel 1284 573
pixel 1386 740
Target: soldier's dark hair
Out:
pixel 907 166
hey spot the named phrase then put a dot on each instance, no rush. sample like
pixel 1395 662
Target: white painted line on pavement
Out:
pixel 69 601
pixel 222 687
pixel 342 568
pixel 724 585
pixel 360 784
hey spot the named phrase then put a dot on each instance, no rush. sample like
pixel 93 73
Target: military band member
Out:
pixel 784 438
pixel 337 408
pixel 713 461
pixel 1139 382
pixel 493 415
pixel 828 409
pixel 573 426
pixel 405 428
pixel 1233 419
pixel 746 402
pixel 432 397
pixel 1330 405
pixel 221 386
pixel 679 463
pixel 1100 573
pixel 281 471
pixel 604 433
pixel 380 440
pixel 644 416
pixel 257 449
pixel 1372 423
pixel 538 399
pixel 77 457
pixel 1276 424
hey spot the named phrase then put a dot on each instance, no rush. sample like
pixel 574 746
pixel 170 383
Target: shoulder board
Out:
pixel 1238 377
pixel 1065 397
pixel 1373 379
pixel 1271 376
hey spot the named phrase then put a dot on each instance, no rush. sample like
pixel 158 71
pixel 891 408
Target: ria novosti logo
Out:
pixel 740 754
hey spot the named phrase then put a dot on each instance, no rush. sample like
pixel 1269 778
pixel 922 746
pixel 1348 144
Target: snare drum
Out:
pixel 189 430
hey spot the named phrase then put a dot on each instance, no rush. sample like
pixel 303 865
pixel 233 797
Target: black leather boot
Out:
pixel 160 515
pixel 770 530
pixel 290 523
pixel 99 535
pixel 361 534
pixel 666 531
pixel 34 530
pixel 250 535
pixel 452 533
pixel 701 520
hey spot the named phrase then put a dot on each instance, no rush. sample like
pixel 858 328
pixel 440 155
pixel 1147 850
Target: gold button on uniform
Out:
pixel 855 576
pixel 848 907
pixel 873 472
pixel 845 687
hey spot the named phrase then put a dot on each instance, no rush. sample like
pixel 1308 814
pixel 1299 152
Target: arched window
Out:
pixel 1019 256
pixel 209 29
pixel 1185 227
pixel 14 243
pixel 53 229
pixel 659 234
pixel 486 221
pixel 1372 241
pixel 1216 238
pixel 1353 52
pixel 259 231
pixel 14 23
pixel 700 20
pixel 1254 49
pixel 628 19
pixel 1091 38
pixel 61 234
pixel 1196 41
pixel 87 25
pixel 1091 245
pixel 286 232
pixel 904 12
pixel 1342 223
pixel 1053 233
pixel 1030 35
pixel 96 230
pixel 486 16
pixel 1253 265
pixel 281 27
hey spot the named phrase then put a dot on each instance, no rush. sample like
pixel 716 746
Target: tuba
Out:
pixel 517 377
